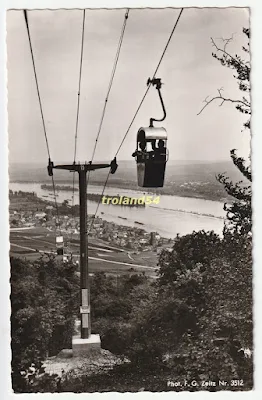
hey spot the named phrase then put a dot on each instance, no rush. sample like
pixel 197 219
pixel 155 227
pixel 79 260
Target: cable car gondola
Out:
pixel 151 163
pixel 151 152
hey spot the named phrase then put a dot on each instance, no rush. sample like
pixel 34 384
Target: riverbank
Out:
pixel 194 190
pixel 173 214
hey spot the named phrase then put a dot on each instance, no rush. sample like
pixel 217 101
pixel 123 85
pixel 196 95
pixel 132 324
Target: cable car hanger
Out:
pixel 157 83
pixel 151 165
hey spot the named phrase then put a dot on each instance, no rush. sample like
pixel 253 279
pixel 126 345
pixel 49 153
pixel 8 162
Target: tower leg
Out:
pixel 84 343
pixel 84 278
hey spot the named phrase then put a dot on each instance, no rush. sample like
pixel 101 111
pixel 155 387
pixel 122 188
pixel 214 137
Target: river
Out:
pixel 173 215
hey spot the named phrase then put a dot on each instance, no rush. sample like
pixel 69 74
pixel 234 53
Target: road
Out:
pixel 121 263
pixel 90 258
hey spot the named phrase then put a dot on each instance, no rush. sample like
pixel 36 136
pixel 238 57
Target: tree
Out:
pixel 200 319
pixel 195 248
pixel 239 212
pixel 44 298
pixel 115 302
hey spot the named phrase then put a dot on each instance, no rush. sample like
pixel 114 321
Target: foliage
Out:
pixel 192 323
pixel 239 213
pixel 43 299
pixel 201 317
pixel 225 324
pixel 189 250
pixel 114 305
pixel 242 69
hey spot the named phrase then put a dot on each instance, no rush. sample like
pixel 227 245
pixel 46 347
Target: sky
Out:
pixel 188 71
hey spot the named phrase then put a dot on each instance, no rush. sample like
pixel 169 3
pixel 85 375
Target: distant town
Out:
pixel 29 211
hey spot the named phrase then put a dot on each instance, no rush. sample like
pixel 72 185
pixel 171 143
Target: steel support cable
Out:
pixel 79 88
pixel 41 111
pixel 106 102
pixel 78 107
pixel 139 106
pixel 148 87
pixel 110 84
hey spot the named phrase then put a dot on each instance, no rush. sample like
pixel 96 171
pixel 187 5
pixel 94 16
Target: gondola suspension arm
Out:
pixel 157 82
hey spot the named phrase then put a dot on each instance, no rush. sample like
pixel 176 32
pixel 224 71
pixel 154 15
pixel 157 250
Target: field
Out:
pixel 34 243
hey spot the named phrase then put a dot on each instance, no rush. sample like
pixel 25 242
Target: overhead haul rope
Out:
pixel 132 121
pixel 108 93
pixel 42 114
pixel 110 84
pixel 77 110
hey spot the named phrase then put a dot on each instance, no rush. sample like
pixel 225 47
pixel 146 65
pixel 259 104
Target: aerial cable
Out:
pixel 98 204
pixel 41 111
pixel 78 106
pixel 37 87
pixel 78 93
pixel 105 105
pixel 149 84
pixel 139 106
pixel 110 83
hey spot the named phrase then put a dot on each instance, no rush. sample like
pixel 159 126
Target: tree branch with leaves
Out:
pixel 239 213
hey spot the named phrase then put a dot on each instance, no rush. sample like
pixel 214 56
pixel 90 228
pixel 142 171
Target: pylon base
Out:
pixel 84 347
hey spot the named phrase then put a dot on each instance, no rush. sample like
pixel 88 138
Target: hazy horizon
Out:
pixel 120 160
